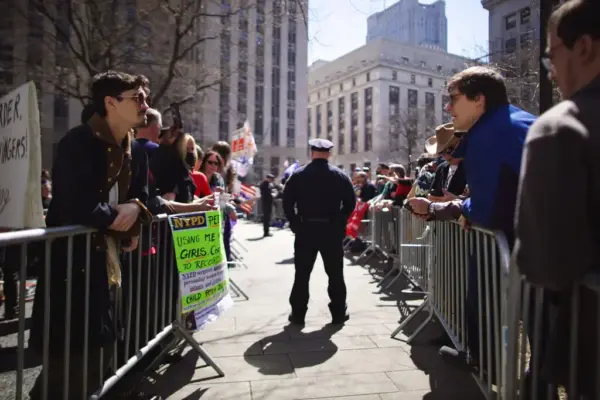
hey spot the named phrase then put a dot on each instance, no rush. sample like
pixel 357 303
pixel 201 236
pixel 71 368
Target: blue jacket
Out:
pixel 492 151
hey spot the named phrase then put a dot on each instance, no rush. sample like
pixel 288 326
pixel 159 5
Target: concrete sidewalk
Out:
pixel 263 359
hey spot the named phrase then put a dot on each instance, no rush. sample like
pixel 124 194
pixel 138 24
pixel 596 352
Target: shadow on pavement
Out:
pixel 286 261
pixel 318 357
pixel 446 380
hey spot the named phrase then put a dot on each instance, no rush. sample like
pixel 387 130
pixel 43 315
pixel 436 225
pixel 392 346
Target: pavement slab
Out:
pixel 265 359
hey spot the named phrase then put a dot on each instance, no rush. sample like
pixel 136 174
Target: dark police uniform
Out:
pixel 317 200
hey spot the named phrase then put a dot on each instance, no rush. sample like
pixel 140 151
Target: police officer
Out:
pixel 317 201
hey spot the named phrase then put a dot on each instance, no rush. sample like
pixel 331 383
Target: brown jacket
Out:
pixel 558 223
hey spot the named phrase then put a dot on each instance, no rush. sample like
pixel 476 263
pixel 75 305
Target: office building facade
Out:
pixel 411 22
pixel 380 102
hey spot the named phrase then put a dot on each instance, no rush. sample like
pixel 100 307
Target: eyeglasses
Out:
pixel 140 98
pixel 546 59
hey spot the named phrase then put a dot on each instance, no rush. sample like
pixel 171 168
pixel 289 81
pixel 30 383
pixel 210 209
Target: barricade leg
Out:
pixel 237 289
pixel 410 318
pixel 186 336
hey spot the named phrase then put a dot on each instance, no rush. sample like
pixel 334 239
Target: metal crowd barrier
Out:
pixel 464 276
pixel 553 340
pixel 146 310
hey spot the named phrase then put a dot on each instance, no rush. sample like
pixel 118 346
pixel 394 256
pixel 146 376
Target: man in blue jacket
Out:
pixel 492 145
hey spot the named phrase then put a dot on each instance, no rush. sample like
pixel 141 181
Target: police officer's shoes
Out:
pixel 341 319
pixel 296 319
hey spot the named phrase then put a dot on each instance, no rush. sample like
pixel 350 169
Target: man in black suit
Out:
pixel 266 200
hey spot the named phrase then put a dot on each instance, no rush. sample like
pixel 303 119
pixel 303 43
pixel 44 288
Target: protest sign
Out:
pixel 242 143
pixel 202 266
pixel 20 160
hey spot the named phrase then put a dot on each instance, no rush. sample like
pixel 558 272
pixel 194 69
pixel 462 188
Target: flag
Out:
pixel 247 193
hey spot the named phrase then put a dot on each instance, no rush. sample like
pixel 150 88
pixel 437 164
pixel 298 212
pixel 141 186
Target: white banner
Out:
pixel 242 143
pixel 20 160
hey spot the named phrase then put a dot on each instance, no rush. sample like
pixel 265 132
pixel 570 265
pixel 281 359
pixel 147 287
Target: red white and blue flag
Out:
pixel 247 193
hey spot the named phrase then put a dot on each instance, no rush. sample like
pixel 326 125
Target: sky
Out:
pixel 337 27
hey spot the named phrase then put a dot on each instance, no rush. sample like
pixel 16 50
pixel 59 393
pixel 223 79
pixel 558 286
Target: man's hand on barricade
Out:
pixel 132 245
pixel 126 217
pixel 419 206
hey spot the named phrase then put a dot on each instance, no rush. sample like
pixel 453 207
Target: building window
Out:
pixel 368 76
pixel 430 82
pixel 354 122
pixel 352 168
pixel 395 119
pixel 394 75
pixel 275 165
pixel 413 78
pixel 309 119
pixel 258 167
pixel 353 82
pixel 510 21
pixel 525 40
pixel 341 125
pixel 341 87
pixel 445 114
pixel 368 119
pixel 319 119
pixel 61 112
pixel 430 111
pixel 525 15
pixel 510 45
pixel 329 107
pixel 405 60
pixel 413 98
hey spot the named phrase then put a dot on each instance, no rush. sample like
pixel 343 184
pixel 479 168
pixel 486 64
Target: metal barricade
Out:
pixel 84 351
pixel 464 275
pixel 553 345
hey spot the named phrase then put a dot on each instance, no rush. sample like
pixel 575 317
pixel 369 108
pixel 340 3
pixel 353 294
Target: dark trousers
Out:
pixel 322 239
pixel 55 369
pixel 10 262
pixel 227 237
pixel 267 209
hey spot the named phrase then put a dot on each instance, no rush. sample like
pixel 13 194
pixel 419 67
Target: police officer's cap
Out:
pixel 320 145
pixel 270 176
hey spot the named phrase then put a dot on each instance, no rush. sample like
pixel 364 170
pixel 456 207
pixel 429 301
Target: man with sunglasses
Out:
pixel 99 180
pixel 558 224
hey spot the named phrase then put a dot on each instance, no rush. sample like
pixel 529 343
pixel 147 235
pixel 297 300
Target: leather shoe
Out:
pixel 296 319
pixel 341 319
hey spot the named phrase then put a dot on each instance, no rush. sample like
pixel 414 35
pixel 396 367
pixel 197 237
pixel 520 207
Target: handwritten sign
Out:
pixel 20 160
pixel 202 266
pixel 242 142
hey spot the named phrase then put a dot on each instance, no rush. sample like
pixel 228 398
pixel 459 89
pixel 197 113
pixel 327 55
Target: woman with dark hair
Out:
pixel 210 165
pixel 169 168
pixel 224 150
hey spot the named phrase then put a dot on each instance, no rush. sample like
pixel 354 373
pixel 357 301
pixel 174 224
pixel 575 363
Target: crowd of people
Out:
pixel 495 166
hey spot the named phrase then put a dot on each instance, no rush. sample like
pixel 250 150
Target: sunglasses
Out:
pixel 140 98
pixel 213 163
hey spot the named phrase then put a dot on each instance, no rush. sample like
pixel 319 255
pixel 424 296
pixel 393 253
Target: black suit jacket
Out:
pixel 457 183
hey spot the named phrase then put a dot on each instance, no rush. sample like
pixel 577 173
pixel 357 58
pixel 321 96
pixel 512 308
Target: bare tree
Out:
pixel 176 43
pixel 407 131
